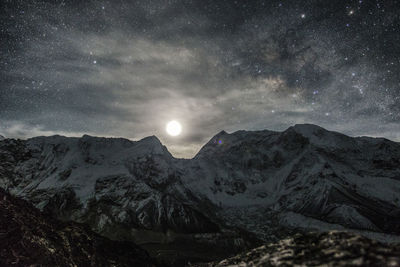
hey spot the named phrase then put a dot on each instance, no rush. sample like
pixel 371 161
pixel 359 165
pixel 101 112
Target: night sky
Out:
pixel 126 68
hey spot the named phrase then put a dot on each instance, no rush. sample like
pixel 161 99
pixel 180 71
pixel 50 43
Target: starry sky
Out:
pixel 126 68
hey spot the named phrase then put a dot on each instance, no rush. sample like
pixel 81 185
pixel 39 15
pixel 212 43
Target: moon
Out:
pixel 174 128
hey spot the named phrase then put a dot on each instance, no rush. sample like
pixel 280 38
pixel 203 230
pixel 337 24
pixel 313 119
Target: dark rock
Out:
pixel 31 238
pixel 313 249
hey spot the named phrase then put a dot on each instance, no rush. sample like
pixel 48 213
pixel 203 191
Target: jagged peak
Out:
pixel 312 131
pixel 215 140
pixel 152 142
pixel 223 132
pixel 218 137
pixel 109 141
pixel 151 139
pixel 321 136
pixel 2 137
pixel 49 139
pixel 307 129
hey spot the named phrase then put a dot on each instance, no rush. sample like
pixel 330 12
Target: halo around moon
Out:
pixel 174 128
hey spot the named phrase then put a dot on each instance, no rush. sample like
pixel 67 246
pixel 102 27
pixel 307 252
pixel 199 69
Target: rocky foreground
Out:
pixel 318 249
pixel 30 238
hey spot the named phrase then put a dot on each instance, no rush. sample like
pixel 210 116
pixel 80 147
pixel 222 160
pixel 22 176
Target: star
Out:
pixel 219 63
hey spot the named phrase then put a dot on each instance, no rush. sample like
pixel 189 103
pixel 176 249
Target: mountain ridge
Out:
pixel 300 128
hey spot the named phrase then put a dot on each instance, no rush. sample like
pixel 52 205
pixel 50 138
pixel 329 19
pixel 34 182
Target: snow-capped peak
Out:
pixel 322 137
pixel 153 144
pixel 308 129
pixel 151 140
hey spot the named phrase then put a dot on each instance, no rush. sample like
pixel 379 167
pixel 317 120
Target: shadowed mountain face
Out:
pixel 30 238
pixel 264 182
pixel 313 249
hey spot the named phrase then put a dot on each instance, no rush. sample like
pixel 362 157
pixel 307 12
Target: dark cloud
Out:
pixel 125 68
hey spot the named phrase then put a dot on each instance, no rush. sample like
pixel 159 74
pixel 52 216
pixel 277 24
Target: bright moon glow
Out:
pixel 174 128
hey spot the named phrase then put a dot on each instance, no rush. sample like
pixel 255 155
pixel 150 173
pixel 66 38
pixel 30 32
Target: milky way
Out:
pixel 126 68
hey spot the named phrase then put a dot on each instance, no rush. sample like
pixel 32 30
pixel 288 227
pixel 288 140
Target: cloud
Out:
pixel 15 129
pixel 126 69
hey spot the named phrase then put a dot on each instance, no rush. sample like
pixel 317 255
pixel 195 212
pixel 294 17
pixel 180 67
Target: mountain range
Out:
pixel 241 189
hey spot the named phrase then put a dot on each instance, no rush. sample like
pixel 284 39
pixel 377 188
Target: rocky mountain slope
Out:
pixel 313 249
pixel 30 238
pixel 264 182
pixel 124 190
pixel 307 170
